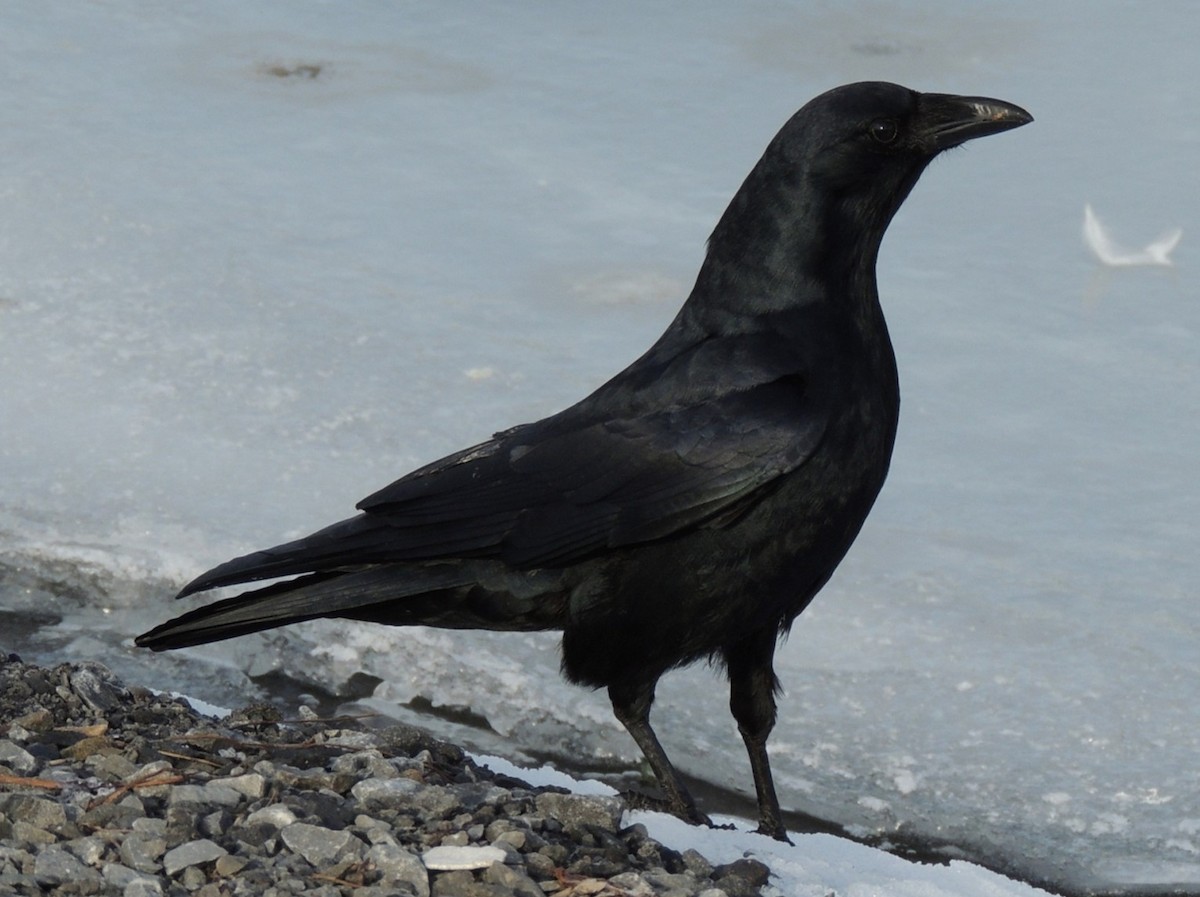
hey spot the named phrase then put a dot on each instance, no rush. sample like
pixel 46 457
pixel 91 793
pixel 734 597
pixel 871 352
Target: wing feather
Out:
pixel 576 484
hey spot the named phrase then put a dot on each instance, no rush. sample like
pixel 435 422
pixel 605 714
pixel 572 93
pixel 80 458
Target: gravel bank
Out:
pixel 108 789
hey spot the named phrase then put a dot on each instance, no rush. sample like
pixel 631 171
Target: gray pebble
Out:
pixel 221 794
pixel 251 784
pixel 580 811
pixel 514 838
pixel 36 811
pixel 97 687
pixel 380 836
pixel 55 866
pixel 633 884
pixel 350 738
pixel 229 865
pixel 514 881
pixel 24 833
pixel 15 856
pixel 661 879
pixel 87 850
pixel 320 846
pixel 696 863
pixel 142 852
pixel 111 767
pixel 400 867
pixel 192 853
pixel 110 816
pixel 192 878
pixel 455 884
pixel 143 887
pixel 540 866
pixel 185 794
pixel 149 826
pixel 435 801
pixel 375 793
pixel 16 758
pixel 278 815
pixel 120 876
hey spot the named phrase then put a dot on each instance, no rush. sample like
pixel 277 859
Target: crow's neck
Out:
pixel 783 251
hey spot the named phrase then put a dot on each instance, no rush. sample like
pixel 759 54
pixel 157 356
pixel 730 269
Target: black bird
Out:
pixel 693 505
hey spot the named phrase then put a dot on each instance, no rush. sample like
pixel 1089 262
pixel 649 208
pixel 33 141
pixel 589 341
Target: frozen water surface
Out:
pixel 258 260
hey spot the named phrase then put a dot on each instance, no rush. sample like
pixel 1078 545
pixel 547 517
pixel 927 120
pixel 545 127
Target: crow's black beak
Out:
pixel 948 120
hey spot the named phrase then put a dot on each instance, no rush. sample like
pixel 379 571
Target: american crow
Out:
pixel 693 505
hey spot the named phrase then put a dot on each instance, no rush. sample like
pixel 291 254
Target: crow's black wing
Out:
pixel 595 477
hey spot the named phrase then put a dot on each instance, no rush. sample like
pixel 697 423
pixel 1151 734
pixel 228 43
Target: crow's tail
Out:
pixel 450 595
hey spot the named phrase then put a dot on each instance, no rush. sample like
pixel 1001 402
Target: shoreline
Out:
pixel 110 789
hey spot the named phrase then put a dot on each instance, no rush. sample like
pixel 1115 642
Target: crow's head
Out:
pixel 874 138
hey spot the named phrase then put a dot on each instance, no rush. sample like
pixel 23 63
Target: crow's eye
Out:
pixel 883 130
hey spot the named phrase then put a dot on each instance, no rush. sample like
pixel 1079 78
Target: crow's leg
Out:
pixel 631 705
pixel 752 688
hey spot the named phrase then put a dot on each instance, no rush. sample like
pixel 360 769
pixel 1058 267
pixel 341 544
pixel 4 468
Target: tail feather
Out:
pixel 354 594
pixel 346 542
pixel 355 542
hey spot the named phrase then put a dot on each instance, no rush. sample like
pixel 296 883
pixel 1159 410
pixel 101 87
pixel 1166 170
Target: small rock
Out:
pixel 320 846
pixel 14 855
pixel 19 734
pixel 97 687
pixel 671 881
pixel 193 853
pixel 514 881
pixel 215 824
pixel 251 785
pixel 142 887
pixel 16 758
pixel 192 878
pixel 380 836
pixel 87 850
pixel 112 767
pixel 116 816
pixel 540 866
pixel 512 856
pixel 589 886
pixel 360 761
pixel 633 884
pixel 449 857
pixel 222 794
pixel 92 746
pixel 278 815
pixel 579 811
pixel 55 866
pixel 24 833
pixel 36 721
pixel 229 865
pixel 376 793
pixel 120 876
pixel 185 794
pixel 350 738
pixel 437 802
pixel 399 866
pixel 142 852
pixel 696 864
pixel 751 871
pixel 315 780
pixel 36 811
pixel 148 826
